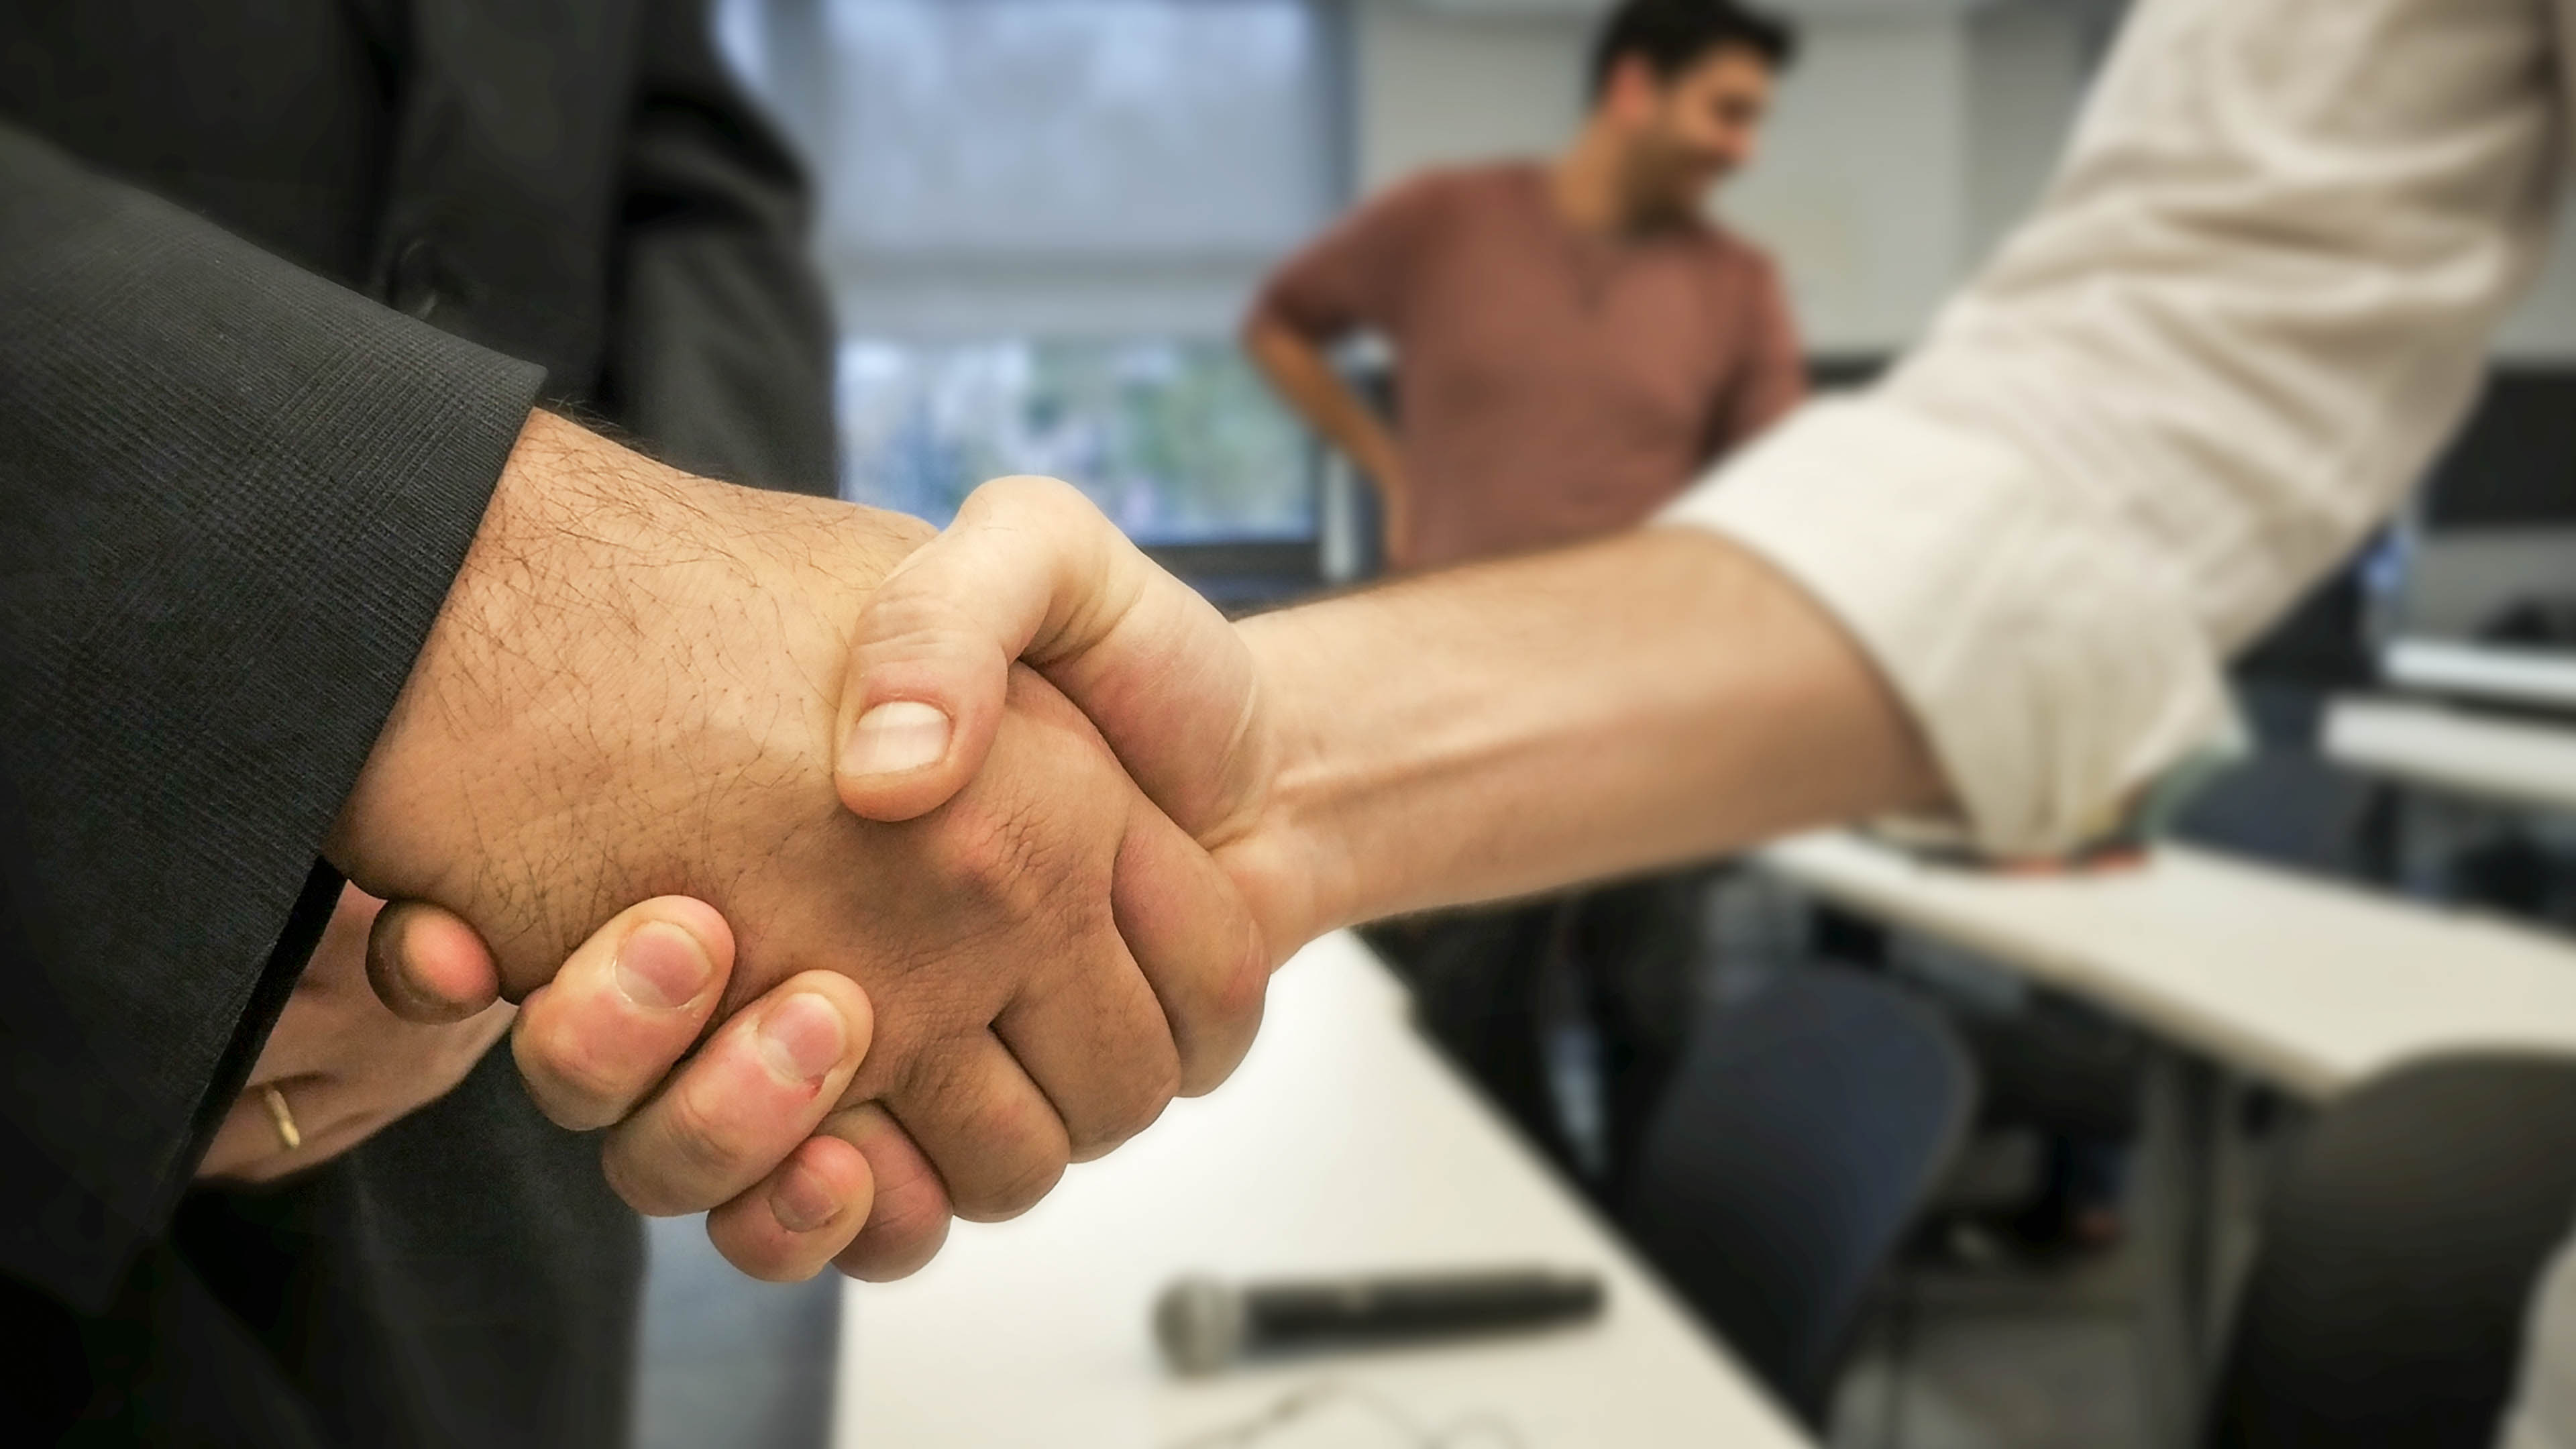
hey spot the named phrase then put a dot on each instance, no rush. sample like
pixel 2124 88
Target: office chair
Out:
pixel 1803 1130
pixel 2401 1245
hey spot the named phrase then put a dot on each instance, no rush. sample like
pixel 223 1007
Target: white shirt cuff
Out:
pixel 2054 668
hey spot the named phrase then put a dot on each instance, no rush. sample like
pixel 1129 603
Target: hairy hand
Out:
pixel 633 691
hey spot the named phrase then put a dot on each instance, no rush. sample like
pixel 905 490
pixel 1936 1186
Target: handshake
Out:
pixel 850 880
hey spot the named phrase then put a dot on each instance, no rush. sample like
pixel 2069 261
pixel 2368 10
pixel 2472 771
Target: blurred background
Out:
pixel 1043 219
pixel 1042 222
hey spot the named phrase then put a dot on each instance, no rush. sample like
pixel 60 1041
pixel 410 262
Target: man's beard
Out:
pixel 1663 186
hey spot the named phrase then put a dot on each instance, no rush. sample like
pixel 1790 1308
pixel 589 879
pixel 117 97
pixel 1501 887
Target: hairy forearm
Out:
pixel 535 616
pixel 1305 379
pixel 592 673
pixel 1514 726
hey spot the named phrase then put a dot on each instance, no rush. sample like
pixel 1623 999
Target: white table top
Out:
pixel 1343 1145
pixel 2512 674
pixel 2517 761
pixel 2311 985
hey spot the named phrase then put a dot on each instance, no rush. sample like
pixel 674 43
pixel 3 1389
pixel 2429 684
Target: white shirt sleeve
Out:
pixel 2250 307
pixel 2544 1409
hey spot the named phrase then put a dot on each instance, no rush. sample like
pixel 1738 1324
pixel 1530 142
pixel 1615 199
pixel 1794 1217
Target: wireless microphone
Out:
pixel 1205 1324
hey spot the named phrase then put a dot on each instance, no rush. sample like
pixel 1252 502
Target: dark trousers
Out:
pixel 1505 990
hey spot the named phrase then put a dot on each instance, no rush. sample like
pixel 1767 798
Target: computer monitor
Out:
pixel 2488 610
pixel 2513 464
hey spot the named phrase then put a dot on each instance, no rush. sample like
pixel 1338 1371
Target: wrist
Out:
pixel 1297 854
pixel 382 839
pixel 587 681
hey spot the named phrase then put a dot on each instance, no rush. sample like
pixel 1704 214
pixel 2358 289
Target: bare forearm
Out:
pixel 1305 379
pixel 1540 721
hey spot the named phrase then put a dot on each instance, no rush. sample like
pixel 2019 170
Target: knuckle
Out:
pixel 701 1141
pixel 1021 872
pixel 1143 1104
pixel 739 1241
pixel 1215 1021
pixel 1016 496
pixel 905 621
pixel 936 1070
pixel 1210 1057
pixel 684 1159
pixel 1242 987
pixel 1027 1159
pixel 919 1219
pixel 976 855
pixel 1016 1191
pixel 572 1081
pixel 909 1194
pixel 895 1245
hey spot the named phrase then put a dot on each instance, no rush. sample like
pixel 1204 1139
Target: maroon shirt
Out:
pixel 1552 384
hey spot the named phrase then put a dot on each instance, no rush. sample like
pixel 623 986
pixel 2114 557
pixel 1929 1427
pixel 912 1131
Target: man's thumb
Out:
pixel 428 966
pixel 931 661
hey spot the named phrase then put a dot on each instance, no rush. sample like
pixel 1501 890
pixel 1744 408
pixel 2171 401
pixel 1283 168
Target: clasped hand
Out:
pixel 639 690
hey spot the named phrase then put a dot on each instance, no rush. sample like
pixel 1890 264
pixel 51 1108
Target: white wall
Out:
pixel 1863 191
pixel 1436 87
pixel 2027 68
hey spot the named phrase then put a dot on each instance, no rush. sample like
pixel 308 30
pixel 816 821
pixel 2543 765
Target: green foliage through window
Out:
pixel 1177 440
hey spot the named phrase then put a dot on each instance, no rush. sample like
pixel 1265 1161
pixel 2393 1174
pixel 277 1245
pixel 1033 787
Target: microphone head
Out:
pixel 1200 1322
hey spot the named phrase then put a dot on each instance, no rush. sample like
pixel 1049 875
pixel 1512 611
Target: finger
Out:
pixel 246 1136
pixel 1195 942
pixel 931 661
pixel 317 1147
pixel 428 965
pixel 250 1148
pixel 908 1221
pixel 1032 571
pixel 1101 1051
pixel 993 1136
pixel 761 1086
pixel 787 1226
pixel 623 1011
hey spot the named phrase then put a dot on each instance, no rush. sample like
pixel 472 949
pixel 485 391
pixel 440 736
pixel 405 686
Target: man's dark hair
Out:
pixel 1671 36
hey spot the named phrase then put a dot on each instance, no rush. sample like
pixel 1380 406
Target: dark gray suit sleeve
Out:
pixel 722 353
pixel 237 495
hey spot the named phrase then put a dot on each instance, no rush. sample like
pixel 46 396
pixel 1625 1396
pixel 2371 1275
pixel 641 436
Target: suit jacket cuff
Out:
pixel 240 494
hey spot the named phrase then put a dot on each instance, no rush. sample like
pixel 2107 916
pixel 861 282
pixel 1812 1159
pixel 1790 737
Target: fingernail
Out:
pixel 800 1202
pixel 660 966
pixel 801 1038
pixel 899 735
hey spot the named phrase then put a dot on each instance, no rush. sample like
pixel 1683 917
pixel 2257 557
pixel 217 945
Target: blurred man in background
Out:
pixel 1575 340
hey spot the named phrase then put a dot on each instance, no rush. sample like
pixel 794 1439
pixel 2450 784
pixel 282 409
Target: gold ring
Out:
pixel 287 1136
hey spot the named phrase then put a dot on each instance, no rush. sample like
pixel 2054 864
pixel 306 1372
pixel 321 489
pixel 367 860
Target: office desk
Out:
pixel 1343 1144
pixel 2304 984
pixel 2541 678
pixel 2309 985
pixel 2515 761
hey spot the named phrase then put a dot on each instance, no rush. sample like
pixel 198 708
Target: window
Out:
pixel 1041 220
